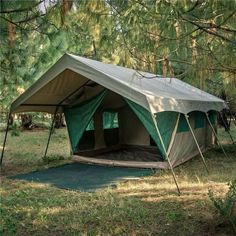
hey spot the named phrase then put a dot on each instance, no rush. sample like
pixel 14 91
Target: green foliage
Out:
pixel 192 40
pixel 148 206
pixel 15 129
pixel 174 216
pixel 227 206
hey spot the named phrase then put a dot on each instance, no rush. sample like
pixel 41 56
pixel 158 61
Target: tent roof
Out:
pixel 72 73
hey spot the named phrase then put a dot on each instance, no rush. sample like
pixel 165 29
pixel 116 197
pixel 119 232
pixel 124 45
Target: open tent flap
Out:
pixel 79 116
pixel 173 128
pixel 79 119
pixel 166 122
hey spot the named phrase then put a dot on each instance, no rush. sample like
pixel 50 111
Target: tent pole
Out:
pixel 167 157
pixel 227 130
pixel 5 138
pixel 199 149
pixel 50 134
pixel 173 135
pixel 214 132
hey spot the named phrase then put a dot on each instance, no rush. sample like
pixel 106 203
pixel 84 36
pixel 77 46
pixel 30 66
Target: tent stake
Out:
pixel 5 138
pixel 199 149
pixel 50 134
pixel 214 132
pixel 167 157
pixel 226 129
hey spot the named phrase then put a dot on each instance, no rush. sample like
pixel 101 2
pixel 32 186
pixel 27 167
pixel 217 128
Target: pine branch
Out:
pixel 205 29
pixel 21 9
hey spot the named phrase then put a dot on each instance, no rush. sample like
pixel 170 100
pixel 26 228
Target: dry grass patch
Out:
pixel 148 206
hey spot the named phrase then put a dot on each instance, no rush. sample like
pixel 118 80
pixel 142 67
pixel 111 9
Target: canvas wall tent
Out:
pixel 108 107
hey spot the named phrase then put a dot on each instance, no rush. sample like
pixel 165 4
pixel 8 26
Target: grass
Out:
pixel 148 206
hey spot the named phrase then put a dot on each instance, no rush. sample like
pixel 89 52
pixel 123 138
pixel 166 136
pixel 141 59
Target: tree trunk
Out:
pixel 66 7
pixel 26 121
pixel 59 121
pixel 11 119
pixel 11 30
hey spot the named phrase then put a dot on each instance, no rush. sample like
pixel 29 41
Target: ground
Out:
pixel 148 206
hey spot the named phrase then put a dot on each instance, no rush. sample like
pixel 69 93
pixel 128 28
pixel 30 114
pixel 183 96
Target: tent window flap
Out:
pixel 165 120
pixel 78 118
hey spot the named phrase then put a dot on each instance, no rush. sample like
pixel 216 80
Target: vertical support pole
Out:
pixel 195 140
pixel 167 157
pixel 227 130
pixel 5 138
pixel 50 134
pixel 214 132
pixel 173 135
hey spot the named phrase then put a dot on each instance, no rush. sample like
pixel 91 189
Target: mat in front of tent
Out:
pixel 83 177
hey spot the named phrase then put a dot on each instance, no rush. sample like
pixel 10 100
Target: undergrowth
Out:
pixel 226 206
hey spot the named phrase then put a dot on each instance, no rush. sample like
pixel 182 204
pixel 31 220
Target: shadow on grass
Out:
pixel 31 209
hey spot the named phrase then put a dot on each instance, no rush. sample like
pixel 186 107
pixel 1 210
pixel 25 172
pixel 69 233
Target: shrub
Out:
pixel 15 129
pixel 226 206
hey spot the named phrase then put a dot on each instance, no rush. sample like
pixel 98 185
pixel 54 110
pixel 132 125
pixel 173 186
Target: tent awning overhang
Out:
pixel 74 78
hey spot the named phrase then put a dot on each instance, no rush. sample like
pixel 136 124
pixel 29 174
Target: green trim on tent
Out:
pixel 90 125
pixel 79 116
pixel 165 121
pixel 183 125
pixel 200 119
pixel 213 117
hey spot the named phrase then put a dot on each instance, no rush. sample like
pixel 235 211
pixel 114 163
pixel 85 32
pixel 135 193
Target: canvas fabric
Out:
pixel 78 118
pixel 166 122
pixel 184 146
pixel 213 117
pixel 152 92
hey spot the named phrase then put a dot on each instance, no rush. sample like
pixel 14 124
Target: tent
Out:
pixel 121 116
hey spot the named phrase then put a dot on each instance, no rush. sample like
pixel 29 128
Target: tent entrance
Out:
pixel 124 152
pixel 123 155
pixel 113 131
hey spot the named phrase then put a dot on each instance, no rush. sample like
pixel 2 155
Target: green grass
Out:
pixel 148 206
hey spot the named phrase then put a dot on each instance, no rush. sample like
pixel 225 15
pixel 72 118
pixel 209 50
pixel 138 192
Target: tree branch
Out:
pixel 203 28
pixel 21 9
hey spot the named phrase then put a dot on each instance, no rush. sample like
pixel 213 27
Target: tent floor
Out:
pixel 135 156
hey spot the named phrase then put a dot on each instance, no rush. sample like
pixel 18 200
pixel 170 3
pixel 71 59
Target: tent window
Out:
pixel 110 120
pixel 90 125
pixel 183 125
pixel 199 120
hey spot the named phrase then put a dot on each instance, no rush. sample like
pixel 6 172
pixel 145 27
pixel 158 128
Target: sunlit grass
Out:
pixel 147 206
